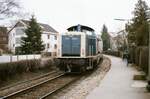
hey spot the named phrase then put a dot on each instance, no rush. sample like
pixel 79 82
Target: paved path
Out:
pixel 118 83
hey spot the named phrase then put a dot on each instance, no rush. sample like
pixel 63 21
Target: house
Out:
pixel 113 41
pixel 49 37
pixel 118 41
pixel 122 41
pixel 3 39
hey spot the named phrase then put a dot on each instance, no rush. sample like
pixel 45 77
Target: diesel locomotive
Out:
pixel 79 49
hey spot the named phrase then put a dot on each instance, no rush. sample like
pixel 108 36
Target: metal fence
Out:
pixel 13 58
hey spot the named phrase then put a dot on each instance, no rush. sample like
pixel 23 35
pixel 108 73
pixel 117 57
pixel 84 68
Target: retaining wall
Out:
pixel 14 58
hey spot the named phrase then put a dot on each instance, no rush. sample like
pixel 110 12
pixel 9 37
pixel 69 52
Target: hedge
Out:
pixel 8 70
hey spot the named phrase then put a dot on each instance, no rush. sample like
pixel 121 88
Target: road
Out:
pixel 119 83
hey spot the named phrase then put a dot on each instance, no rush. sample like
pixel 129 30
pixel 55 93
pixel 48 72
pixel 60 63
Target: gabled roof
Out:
pixel 45 27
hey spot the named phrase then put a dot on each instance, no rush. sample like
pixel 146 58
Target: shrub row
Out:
pixel 8 70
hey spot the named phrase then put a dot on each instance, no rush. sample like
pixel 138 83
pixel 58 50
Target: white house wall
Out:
pixel 100 44
pixel 59 49
pixel 14 36
pixel 51 41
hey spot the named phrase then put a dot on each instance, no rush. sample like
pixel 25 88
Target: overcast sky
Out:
pixel 61 14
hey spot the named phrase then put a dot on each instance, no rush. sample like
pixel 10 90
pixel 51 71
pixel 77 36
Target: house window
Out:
pixel 48 45
pixel 55 46
pixel 20 31
pixel 18 40
pixel 55 37
pixel 48 36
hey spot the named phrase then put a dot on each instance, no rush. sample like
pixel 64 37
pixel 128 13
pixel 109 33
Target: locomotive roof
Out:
pixel 82 27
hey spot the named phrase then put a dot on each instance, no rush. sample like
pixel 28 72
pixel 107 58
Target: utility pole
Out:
pixel 148 78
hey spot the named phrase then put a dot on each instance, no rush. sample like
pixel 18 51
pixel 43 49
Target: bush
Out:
pixel 33 65
pixel 47 63
pixel 8 70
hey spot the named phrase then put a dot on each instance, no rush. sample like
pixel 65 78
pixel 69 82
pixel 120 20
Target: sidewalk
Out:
pixel 119 83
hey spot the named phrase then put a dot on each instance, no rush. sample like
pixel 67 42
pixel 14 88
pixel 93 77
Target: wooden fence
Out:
pixel 139 56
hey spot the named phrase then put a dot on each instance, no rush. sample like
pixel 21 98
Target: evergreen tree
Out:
pixel 105 38
pixel 32 43
pixel 138 29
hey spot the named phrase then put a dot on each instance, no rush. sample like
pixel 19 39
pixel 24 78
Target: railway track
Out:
pixel 58 89
pixel 43 89
pixel 27 83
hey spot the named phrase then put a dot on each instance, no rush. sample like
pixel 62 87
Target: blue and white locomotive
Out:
pixel 78 49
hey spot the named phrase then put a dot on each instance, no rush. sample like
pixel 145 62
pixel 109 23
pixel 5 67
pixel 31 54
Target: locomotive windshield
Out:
pixel 71 45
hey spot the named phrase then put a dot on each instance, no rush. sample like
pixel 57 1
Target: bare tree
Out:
pixel 8 8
